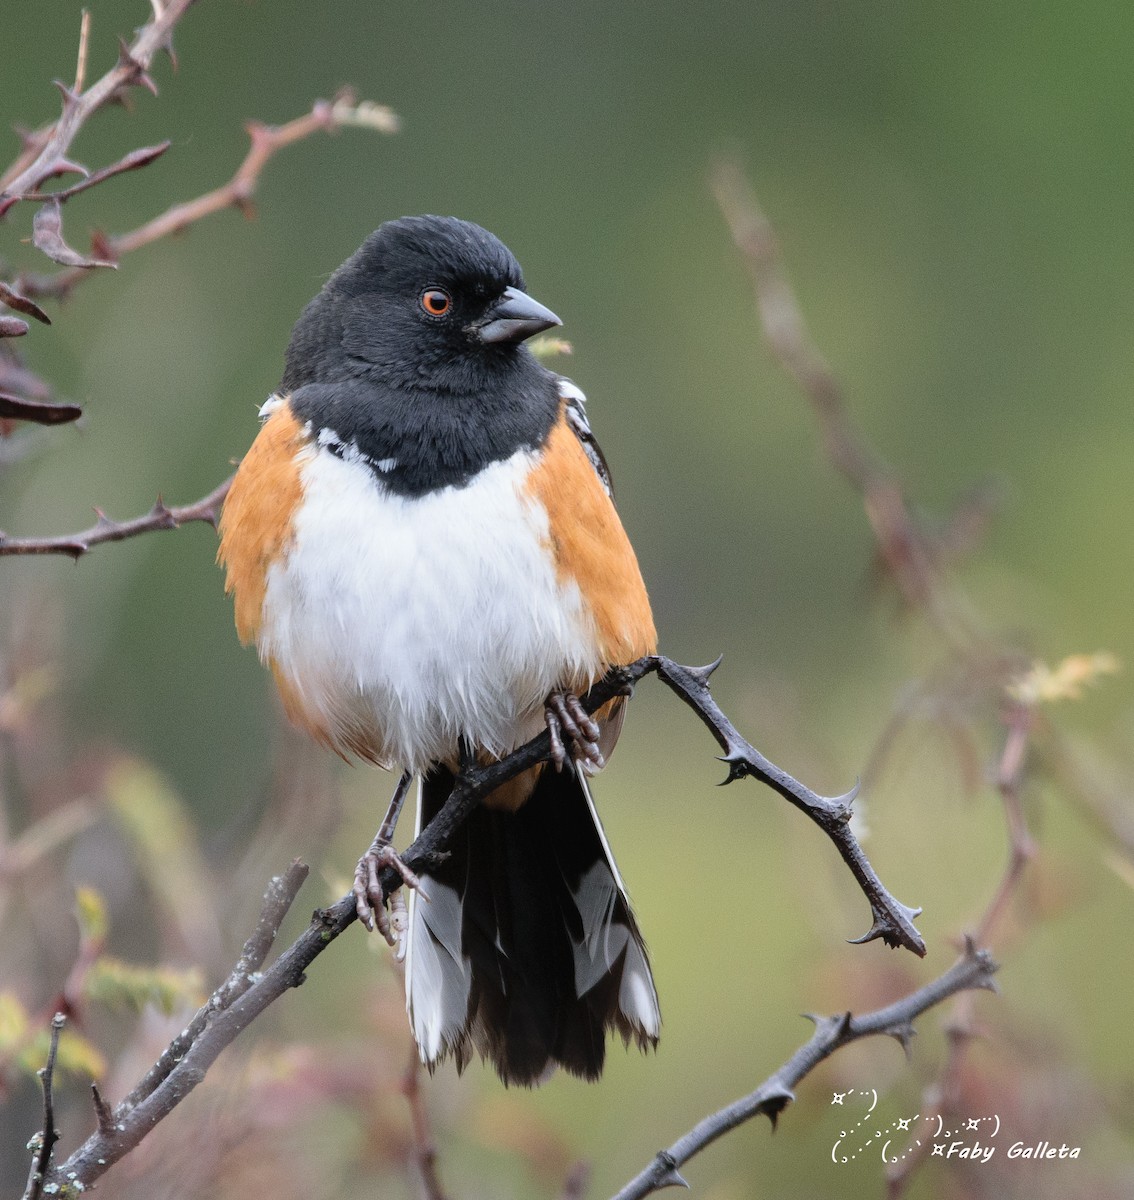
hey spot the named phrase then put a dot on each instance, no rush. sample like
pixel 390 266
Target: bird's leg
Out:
pixel 369 895
pixel 467 756
pixel 569 726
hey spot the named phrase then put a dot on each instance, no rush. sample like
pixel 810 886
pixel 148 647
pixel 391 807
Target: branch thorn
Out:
pixel 904 1035
pixel 70 98
pixel 670 1177
pixel 889 927
pixel 68 166
pixel 738 767
pixel 137 76
pixel 102 1111
pixel 775 1104
pixel 161 512
pixel 847 799
pixel 701 674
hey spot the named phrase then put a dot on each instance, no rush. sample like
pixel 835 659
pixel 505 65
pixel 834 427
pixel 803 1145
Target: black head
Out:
pixel 413 356
pixel 425 302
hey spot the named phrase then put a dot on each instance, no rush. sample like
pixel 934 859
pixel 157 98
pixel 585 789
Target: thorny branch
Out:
pixel 45 150
pixel 974 970
pixel 277 901
pixel 893 921
pixel 45 156
pixel 248 990
pixel 266 141
pixel 207 509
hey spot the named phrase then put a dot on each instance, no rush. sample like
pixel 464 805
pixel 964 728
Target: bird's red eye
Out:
pixel 436 301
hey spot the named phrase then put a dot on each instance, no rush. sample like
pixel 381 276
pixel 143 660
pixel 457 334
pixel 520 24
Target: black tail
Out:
pixel 526 950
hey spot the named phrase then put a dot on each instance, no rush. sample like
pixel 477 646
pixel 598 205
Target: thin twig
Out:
pixel 1021 847
pixel 277 900
pixel 75 545
pixel 41 1163
pixel 84 47
pixel 41 412
pixel 974 970
pixel 185 1060
pixel 266 141
pixel 424 1147
pixel 906 550
pixel 231 1008
pixel 128 162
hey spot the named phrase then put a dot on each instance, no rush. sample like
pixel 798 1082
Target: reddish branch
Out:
pixel 941 1094
pixel 911 556
pixel 424 1147
pixel 75 545
pixel 266 141
pixel 46 150
pixel 129 162
pixel 41 412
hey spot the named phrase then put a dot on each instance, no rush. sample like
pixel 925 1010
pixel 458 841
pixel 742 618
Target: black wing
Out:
pixel 576 413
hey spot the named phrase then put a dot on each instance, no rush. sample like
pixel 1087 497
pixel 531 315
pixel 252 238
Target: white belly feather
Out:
pixel 421 620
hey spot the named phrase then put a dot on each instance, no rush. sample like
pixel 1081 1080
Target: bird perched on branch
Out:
pixel 422 543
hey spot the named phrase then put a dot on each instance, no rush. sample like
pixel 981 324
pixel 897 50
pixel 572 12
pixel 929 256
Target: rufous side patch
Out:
pixel 511 796
pixel 256 523
pixel 591 547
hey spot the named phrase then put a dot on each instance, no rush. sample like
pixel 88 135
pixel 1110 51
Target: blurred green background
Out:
pixel 952 189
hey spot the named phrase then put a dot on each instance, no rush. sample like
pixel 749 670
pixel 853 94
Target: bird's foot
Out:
pixel 569 727
pixel 370 897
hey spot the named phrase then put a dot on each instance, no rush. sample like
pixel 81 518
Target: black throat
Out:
pixel 418 439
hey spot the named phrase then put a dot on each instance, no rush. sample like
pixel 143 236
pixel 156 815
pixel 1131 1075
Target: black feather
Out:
pixel 519 876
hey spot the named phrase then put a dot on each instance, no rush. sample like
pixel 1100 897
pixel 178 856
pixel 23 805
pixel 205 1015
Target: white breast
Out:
pixel 409 622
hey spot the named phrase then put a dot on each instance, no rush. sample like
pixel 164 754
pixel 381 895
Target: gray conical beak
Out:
pixel 514 318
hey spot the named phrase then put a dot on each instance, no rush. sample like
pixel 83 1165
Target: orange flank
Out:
pixel 256 523
pixel 591 548
pixel 511 796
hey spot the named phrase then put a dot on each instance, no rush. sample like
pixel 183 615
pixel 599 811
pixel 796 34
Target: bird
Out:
pixel 422 544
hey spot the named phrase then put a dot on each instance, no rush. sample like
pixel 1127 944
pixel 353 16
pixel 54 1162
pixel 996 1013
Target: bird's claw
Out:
pixel 569 725
pixel 370 897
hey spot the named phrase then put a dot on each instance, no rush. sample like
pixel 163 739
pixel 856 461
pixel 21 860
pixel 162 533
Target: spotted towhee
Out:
pixel 422 543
